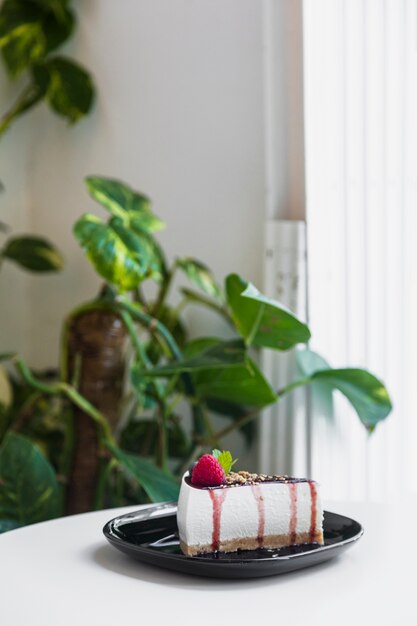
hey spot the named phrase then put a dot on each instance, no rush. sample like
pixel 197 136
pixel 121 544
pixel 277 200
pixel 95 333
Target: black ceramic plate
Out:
pixel 151 536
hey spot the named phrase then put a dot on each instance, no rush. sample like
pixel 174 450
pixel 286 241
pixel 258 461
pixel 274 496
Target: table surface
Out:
pixel 64 573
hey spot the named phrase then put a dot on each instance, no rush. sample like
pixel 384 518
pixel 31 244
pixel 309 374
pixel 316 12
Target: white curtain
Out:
pixel 360 89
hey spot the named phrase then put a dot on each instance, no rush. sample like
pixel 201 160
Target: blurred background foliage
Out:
pixel 133 399
pixel 31 34
pixel 133 402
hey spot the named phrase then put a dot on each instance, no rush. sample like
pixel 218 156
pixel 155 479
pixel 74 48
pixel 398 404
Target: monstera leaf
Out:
pixel 262 322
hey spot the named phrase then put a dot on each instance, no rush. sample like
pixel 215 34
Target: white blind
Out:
pixel 283 428
pixel 360 81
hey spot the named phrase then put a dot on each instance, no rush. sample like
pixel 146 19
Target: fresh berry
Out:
pixel 208 472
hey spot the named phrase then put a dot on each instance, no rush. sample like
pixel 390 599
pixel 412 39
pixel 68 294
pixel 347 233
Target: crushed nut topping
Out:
pixel 247 478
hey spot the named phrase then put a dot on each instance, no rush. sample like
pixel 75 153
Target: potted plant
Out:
pixel 109 457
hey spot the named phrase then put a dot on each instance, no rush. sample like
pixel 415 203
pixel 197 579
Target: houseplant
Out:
pixel 140 457
pixel 31 32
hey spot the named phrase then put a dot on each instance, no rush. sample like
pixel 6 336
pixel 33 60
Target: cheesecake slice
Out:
pixel 247 512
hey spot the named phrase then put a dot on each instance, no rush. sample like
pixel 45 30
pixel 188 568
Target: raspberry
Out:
pixel 208 472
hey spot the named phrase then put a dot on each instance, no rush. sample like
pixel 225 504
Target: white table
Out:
pixel 64 573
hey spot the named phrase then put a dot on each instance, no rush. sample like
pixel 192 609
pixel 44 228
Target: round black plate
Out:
pixel 151 535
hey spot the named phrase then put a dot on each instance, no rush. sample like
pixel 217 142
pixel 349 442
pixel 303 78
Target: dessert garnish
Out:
pixel 211 469
pixel 225 459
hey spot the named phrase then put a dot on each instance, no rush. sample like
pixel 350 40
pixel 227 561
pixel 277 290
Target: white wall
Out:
pixel 194 97
pixel 179 115
pixel 14 211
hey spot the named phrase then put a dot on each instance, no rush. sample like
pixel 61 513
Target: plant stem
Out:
pixel 198 421
pixel 202 300
pixel 160 301
pixel 152 324
pixel 155 326
pixel 105 470
pixel 248 417
pixel 175 402
pixel 162 451
pixel 67 452
pixel 54 389
pixel 255 326
pixel 139 297
pixel 88 408
pixel 245 419
pixel 27 99
pixel 209 428
pixel 24 414
pixel 297 383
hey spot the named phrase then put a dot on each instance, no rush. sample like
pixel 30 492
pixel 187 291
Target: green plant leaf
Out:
pixel 58 24
pixel 21 35
pixel 244 384
pixel 157 262
pixel 139 243
pixel 201 276
pixel 366 393
pixel 309 362
pixel 124 202
pixel 66 86
pixel 29 491
pixel 227 391
pixel 33 253
pixel 158 485
pixel 223 355
pixel 30 30
pixel 143 388
pixel 262 322
pixel 140 436
pixel 197 346
pixel 8 524
pixel 233 411
pixel 120 256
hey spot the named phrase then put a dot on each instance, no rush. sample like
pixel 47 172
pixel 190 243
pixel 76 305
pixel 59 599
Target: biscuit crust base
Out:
pixel 251 543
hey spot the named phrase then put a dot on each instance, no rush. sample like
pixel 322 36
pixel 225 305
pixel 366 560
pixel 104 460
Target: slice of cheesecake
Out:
pixel 247 512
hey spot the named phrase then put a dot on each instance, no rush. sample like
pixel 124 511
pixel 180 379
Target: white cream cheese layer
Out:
pixel 240 511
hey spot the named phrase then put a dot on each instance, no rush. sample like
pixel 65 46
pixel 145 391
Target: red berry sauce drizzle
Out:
pixel 313 517
pixel 217 498
pixel 293 511
pixel 261 512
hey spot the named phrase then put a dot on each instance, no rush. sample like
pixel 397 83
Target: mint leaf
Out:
pixel 226 461
pixel 216 453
